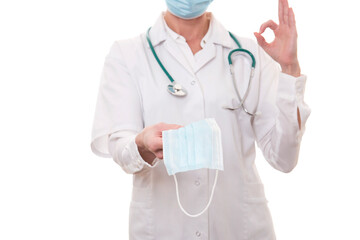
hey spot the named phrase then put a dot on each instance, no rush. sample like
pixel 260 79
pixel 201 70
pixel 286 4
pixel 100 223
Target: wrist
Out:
pixel 139 141
pixel 145 154
pixel 292 69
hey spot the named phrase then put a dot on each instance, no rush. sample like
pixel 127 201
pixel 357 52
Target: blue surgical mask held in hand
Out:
pixel 195 146
pixel 188 9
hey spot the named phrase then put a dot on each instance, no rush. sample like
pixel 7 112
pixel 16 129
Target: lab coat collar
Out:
pixel 216 34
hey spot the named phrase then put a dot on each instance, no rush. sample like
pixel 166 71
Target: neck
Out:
pixel 191 29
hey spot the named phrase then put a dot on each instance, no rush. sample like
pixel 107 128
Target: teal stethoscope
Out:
pixel 177 90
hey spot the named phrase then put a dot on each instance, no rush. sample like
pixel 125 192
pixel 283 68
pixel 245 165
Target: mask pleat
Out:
pixel 195 146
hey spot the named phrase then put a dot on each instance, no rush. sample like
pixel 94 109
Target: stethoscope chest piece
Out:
pixel 176 89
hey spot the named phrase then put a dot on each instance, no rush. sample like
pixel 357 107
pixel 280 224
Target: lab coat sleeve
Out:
pixel 124 152
pixel 119 105
pixel 276 128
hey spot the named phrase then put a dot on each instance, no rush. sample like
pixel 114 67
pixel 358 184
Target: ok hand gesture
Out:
pixel 284 47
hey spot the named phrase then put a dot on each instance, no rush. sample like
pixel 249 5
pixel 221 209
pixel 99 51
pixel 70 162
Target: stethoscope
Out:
pixel 177 90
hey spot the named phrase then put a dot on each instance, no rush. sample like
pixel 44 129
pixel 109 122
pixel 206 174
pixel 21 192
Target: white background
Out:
pixel 51 56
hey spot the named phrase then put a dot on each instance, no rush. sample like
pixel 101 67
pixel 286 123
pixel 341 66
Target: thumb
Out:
pixel 261 40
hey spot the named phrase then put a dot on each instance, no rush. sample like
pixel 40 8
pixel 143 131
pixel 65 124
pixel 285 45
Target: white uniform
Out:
pixel 133 94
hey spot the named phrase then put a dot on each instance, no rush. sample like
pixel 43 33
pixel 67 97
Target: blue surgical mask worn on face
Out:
pixel 195 146
pixel 188 9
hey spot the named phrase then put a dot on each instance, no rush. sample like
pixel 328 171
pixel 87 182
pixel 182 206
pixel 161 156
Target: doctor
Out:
pixel 134 106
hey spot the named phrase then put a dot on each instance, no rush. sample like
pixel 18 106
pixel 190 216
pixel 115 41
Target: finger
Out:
pixel 159 154
pixel 261 40
pixel 166 126
pixel 281 12
pixel 155 144
pixel 269 24
pixel 286 12
pixel 292 22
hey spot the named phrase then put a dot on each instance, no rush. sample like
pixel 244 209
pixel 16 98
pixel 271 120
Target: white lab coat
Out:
pixel 133 95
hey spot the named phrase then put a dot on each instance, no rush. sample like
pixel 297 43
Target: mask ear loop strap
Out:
pixel 208 204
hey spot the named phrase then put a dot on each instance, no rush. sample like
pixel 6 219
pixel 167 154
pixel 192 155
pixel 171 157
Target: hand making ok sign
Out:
pixel 284 47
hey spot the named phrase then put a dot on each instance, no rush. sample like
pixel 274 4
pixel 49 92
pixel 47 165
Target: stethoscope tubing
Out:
pixel 176 89
pixel 157 58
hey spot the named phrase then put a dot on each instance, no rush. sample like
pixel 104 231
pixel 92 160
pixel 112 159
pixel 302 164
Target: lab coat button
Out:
pixel 197 182
pixel 198 234
pixel 193 82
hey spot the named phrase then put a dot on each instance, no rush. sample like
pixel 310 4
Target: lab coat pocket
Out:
pixel 254 193
pixel 140 222
pixel 259 222
pixel 141 215
pixel 141 195
pixel 231 104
